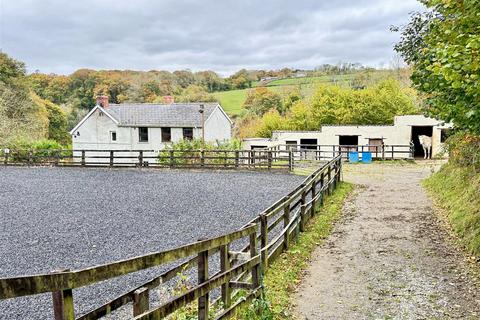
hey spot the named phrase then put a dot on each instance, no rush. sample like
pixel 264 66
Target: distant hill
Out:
pixel 232 101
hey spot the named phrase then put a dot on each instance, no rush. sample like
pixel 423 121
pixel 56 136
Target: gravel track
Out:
pixel 390 257
pixel 74 218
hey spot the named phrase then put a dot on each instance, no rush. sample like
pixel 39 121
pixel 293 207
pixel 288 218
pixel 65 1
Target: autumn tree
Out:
pixel 184 78
pixel 443 48
pixel 260 100
pixel 210 81
pixel 241 79
pixel 20 117
pixel 194 93
pixel 82 87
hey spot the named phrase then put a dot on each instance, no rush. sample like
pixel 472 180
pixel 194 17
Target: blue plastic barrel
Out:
pixel 353 156
pixel 367 157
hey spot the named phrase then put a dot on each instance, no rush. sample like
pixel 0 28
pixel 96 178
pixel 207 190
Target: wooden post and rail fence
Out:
pixel 278 157
pixel 203 159
pixel 327 152
pixel 264 239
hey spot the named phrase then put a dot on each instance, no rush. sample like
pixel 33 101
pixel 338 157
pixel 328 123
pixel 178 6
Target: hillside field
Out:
pixel 232 101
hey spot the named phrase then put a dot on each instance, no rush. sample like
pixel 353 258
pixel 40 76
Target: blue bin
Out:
pixel 353 156
pixel 367 157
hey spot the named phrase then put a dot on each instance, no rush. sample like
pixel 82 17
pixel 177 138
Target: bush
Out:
pixel 44 150
pixel 188 152
pixel 464 150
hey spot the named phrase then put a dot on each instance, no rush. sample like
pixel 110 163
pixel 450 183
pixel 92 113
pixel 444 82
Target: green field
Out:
pixel 311 80
pixel 232 101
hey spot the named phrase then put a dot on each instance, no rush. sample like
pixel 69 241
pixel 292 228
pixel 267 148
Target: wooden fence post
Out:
pixel 290 160
pixel 329 176
pixel 340 170
pixel 5 158
pixel 202 158
pixel 30 157
pixel 140 158
pixel 225 159
pixel 322 184
pixel 225 266
pixel 314 193
pixel 335 178
pixel 286 221
pixel 56 157
pixel 63 303
pixel 256 277
pixel 83 157
pixel 392 151
pixel 237 155
pixel 264 240
pixel 171 159
pixel 302 218
pixel 141 301
pixel 302 210
pixel 269 156
pixel 203 301
pixel 111 158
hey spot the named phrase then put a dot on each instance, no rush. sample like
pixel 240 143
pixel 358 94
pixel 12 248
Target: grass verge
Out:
pixel 285 273
pixel 456 190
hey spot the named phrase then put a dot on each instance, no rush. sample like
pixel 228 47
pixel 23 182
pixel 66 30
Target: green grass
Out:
pixel 232 101
pixel 456 190
pixel 284 275
pixel 311 80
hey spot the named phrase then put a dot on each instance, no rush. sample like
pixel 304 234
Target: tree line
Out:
pixel 80 88
pixel 49 104
pixel 267 111
pixel 25 117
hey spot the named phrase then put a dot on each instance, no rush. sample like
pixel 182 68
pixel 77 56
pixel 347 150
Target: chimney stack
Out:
pixel 168 99
pixel 102 101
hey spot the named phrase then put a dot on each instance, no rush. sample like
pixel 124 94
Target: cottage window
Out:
pixel 166 134
pixel 113 135
pixel 188 133
pixel 143 134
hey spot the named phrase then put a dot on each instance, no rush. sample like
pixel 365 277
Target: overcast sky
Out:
pixel 221 35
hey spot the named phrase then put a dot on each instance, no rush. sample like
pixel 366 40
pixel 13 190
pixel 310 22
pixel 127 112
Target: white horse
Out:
pixel 426 143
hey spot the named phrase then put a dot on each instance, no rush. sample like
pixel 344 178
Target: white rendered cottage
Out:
pixel 144 126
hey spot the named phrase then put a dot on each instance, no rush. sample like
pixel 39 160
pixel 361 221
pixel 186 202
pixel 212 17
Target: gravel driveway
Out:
pixel 390 258
pixel 55 218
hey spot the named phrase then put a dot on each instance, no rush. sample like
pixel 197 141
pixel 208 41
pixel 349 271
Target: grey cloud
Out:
pixel 62 36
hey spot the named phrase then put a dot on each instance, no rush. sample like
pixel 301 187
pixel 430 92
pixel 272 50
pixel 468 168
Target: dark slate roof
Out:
pixel 160 115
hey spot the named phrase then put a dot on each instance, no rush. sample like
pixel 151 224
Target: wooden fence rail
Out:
pixel 267 236
pixel 215 159
pixel 327 152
